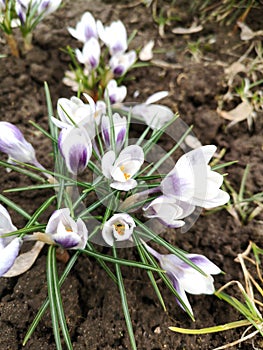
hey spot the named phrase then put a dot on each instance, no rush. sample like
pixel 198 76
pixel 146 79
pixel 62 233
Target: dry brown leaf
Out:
pixel 247 33
pixel 146 53
pixel 24 261
pixel 244 111
pixel 191 30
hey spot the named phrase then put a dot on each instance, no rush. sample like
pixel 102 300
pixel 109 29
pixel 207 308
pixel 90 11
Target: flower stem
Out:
pixel 12 43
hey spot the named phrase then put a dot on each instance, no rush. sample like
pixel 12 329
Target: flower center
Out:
pixel 119 228
pixel 68 229
pixel 126 175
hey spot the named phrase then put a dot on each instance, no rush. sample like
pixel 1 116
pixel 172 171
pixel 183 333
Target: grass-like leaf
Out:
pixel 124 302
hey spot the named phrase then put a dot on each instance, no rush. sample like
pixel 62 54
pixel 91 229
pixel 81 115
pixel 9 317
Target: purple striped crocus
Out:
pixel 63 230
pixel 120 63
pixel 114 36
pixel 119 126
pixel 168 211
pixel 192 180
pixel 85 29
pixel 184 277
pixel 90 54
pixel 13 143
pixel 114 92
pixel 76 148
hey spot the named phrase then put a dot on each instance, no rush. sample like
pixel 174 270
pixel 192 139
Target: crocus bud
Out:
pixel 114 92
pixel 120 63
pixel 86 28
pixel 90 54
pixel 113 36
pixel 13 143
pixel 45 7
pixel 119 125
pixel 75 147
pixel 118 228
pixel 63 230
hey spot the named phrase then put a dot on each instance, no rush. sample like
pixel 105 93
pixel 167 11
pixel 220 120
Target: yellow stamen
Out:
pixel 126 175
pixel 119 228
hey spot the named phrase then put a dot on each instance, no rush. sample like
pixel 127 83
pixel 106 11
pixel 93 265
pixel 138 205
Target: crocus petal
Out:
pixel 55 218
pixel 156 97
pixel 124 186
pixel 9 254
pixel 6 224
pixel 181 292
pixel 153 115
pixel 107 163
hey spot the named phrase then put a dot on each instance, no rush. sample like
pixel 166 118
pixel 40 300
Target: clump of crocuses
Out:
pixel 109 185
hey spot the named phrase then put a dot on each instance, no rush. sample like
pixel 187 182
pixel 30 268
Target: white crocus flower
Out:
pixel 168 211
pixel 122 169
pixel 13 143
pixel 74 112
pixel 113 36
pixel 120 63
pixel 86 28
pixel 152 114
pixel 9 246
pixel 63 230
pixel 76 148
pixel 90 54
pixel 120 126
pixel 118 228
pixel 193 181
pixel 184 277
pixel 115 93
pixel 45 7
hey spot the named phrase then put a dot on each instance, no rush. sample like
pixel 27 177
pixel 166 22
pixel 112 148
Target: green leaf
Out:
pixel 46 303
pixel 52 296
pixel 124 302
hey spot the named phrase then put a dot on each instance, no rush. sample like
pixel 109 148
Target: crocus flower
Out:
pixel 120 126
pixel 153 114
pixel 193 181
pixel 75 147
pixel 45 7
pixel 74 112
pixel 13 143
pixel 9 246
pixel 122 169
pixel 90 54
pixel 168 211
pixel 184 277
pixel 118 228
pixel 115 93
pixel 113 36
pixel 120 63
pixel 86 28
pixel 63 230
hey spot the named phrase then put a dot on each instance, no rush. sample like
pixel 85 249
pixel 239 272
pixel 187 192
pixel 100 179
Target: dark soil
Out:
pixel 91 299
